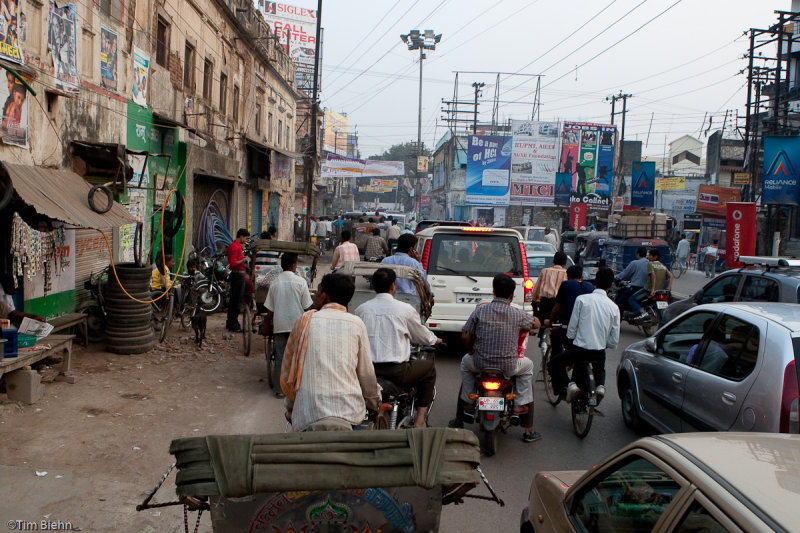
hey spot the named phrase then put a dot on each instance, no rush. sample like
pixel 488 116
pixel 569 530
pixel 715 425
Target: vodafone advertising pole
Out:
pixel 740 232
pixel 577 215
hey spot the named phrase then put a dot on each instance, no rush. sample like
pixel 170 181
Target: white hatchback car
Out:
pixel 461 263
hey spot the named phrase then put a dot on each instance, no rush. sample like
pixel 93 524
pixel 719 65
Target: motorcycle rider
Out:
pixel 658 274
pixel 636 273
pixel 392 326
pixel 593 327
pixel 376 247
pixel 491 336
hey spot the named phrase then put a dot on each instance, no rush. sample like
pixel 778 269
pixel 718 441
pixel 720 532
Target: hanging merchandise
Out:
pixel 37 251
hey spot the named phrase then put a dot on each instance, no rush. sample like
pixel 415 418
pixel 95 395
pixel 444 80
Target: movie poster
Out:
pixel 9 31
pixel 62 43
pixel 141 76
pixel 14 122
pixel 108 59
pixel 587 153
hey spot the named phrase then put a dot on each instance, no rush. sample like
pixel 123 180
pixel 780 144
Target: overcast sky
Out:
pixel 681 65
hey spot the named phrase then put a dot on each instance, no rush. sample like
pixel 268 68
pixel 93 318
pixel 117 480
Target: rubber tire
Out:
pixel 630 409
pixel 7 195
pixel 581 432
pixel 552 397
pixel 122 342
pixel 168 316
pixel 204 286
pixel 131 350
pixel 652 324
pixel 247 330
pixel 179 208
pixel 269 353
pixel 488 441
pixel 382 420
pixel 109 195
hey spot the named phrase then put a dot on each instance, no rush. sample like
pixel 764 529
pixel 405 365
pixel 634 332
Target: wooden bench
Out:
pixel 58 345
pixel 63 322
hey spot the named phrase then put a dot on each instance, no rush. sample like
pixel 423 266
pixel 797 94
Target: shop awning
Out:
pixel 62 195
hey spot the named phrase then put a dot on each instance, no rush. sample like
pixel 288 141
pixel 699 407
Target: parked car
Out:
pixel 717 367
pixel 763 279
pixel 705 482
pixel 541 260
pixel 461 263
pixel 539 246
pixel 534 233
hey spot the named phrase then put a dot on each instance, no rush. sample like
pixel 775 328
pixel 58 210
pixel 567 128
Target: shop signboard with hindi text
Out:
pixel 534 162
pixel 741 178
pixel 675 183
pixel 587 154
pixel 781 173
pixel 740 234
pixel 488 180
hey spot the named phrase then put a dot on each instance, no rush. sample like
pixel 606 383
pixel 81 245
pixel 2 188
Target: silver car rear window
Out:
pixel 475 255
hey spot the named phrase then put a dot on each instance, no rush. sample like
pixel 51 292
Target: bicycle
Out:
pixel 676 265
pixel 546 348
pixel 163 313
pixel 247 327
pixel 584 406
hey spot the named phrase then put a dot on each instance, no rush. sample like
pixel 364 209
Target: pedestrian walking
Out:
pixel 236 263
pixel 710 259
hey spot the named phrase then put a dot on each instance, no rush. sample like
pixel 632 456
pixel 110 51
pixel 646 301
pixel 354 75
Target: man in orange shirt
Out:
pixel 546 288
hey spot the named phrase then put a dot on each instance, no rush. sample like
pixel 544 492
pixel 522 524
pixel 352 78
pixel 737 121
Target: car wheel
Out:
pixel 630 409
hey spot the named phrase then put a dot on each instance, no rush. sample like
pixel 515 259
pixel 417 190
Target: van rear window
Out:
pixel 484 255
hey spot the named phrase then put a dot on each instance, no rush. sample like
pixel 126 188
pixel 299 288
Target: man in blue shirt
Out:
pixel 636 273
pixel 568 292
pixel 405 247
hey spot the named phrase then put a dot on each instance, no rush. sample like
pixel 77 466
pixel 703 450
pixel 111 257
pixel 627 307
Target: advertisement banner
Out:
pixel 741 178
pixel 61 41
pixel 711 199
pixel 683 204
pixel 296 28
pixel 740 237
pixel 534 162
pixel 377 168
pixel 643 179
pixel 141 72
pixel 108 59
pixel 9 29
pixel 281 166
pixel 334 134
pixel 336 166
pixel 677 183
pixel 422 163
pixel 14 123
pixel 781 170
pixel 488 170
pixel 577 215
pixel 563 188
pixel 587 153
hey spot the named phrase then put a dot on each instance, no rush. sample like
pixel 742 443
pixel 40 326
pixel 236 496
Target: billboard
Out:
pixel 534 162
pixel 334 134
pixel 781 170
pixel 711 199
pixel 740 237
pixel 587 153
pixel 676 183
pixel 563 188
pixel 296 26
pixel 643 178
pixel 488 170
pixel 336 166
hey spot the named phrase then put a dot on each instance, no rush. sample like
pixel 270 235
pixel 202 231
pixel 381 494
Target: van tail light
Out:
pixel 491 385
pixel 790 415
pixel 426 254
pixel 528 282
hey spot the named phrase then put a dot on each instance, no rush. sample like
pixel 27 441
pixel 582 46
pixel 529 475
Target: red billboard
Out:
pixel 577 215
pixel 711 199
pixel 740 235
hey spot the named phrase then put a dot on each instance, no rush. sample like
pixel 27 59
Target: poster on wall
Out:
pixel 108 59
pixel 62 43
pixel 141 78
pixel 643 182
pixel 587 153
pixel 488 170
pixel 280 166
pixel 781 173
pixel 9 31
pixel 534 162
pixel 14 122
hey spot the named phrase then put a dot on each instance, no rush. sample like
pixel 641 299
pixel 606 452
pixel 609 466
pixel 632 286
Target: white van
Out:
pixel 461 263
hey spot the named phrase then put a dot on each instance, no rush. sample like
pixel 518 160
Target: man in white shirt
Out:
pixel 682 252
pixel 710 259
pixel 594 326
pixel 550 236
pixel 287 299
pixel 392 326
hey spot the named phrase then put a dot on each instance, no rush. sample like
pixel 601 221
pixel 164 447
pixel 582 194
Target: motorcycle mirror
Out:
pixel 650 344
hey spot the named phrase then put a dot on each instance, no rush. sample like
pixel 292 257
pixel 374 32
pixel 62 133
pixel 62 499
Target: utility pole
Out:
pixel 416 40
pixel 478 87
pixel 310 161
pixel 620 171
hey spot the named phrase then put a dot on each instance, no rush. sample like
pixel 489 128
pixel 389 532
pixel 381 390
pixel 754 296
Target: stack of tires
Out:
pixel 129 324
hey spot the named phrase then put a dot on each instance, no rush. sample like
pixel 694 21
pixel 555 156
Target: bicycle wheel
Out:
pixel 676 267
pixel 581 416
pixel 269 352
pixel 168 316
pixel 247 329
pixel 552 397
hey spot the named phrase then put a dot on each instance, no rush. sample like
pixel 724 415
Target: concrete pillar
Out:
pixel 24 385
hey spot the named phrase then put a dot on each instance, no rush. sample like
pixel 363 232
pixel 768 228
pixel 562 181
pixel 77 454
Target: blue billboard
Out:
pixel 643 184
pixel 780 179
pixel 563 188
pixel 488 170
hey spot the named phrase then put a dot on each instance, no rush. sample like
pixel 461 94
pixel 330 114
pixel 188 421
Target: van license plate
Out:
pixel 471 299
pixel 491 404
pixel 662 305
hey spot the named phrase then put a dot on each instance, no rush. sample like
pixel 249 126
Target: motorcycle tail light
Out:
pixel 489 417
pixel 510 396
pixel 660 297
pixel 474 396
pixel 491 385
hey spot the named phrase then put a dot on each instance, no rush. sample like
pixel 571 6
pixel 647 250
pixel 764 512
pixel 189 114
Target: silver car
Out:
pixel 717 367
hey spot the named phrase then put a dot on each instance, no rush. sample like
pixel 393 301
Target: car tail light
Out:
pixel 790 419
pixel 527 284
pixel 491 385
pixel 432 325
pixel 426 254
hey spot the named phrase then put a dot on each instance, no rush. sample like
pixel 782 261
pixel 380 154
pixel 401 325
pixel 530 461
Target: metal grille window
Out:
pixel 162 42
pixel 208 78
pixel 188 67
pixel 223 93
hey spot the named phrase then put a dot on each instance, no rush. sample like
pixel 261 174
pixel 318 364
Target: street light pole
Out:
pixel 416 40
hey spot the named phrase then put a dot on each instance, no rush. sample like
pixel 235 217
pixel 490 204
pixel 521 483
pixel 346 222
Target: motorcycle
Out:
pixel 212 291
pixel 653 305
pixel 493 408
pixel 95 307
